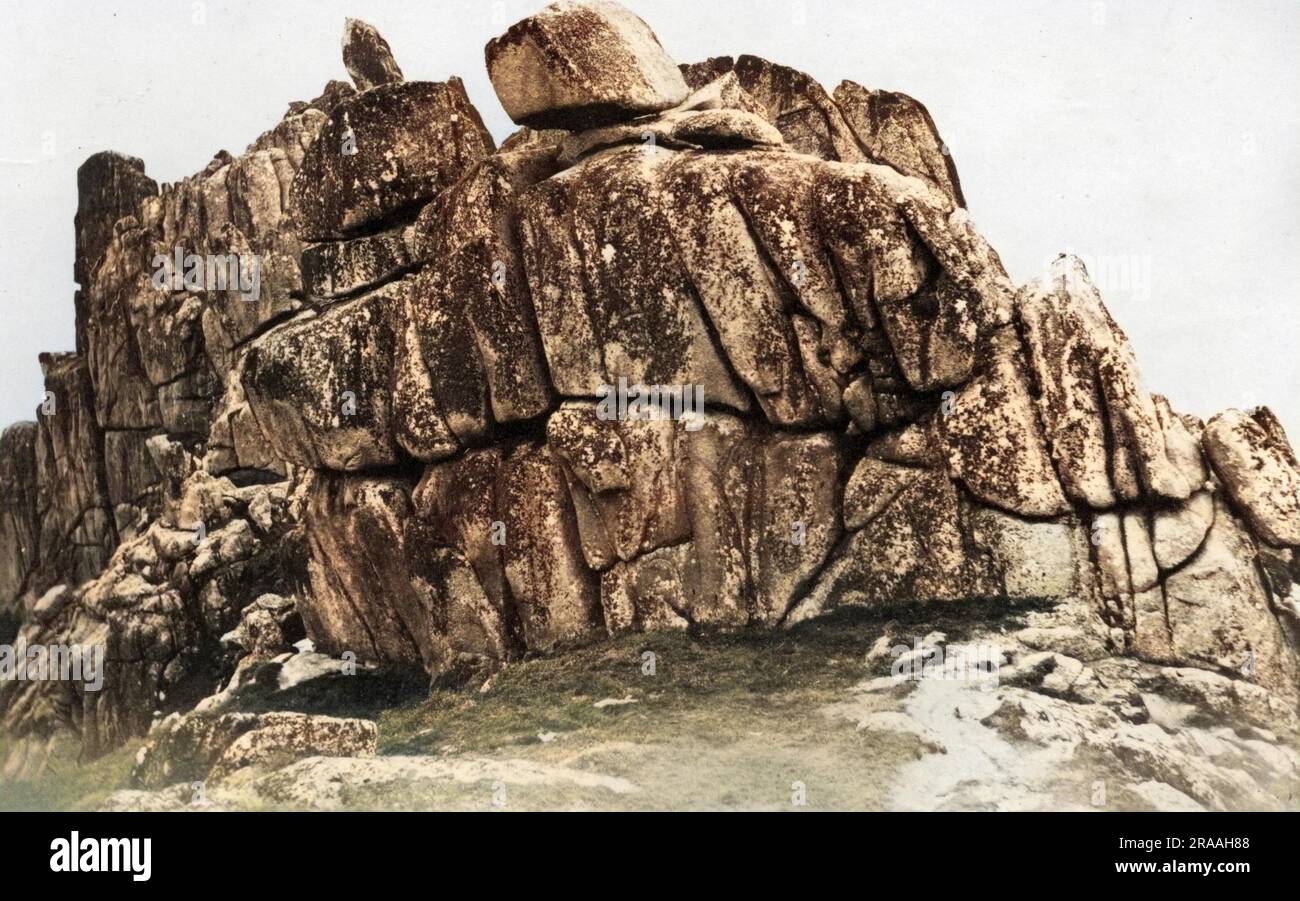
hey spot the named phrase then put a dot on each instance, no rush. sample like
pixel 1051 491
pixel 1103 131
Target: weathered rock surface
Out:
pixel 853 125
pixel 20 520
pixel 319 386
pixel 196 748
pixel 337 269
pixel 897 130
pixel 367 56
pixel 383 153
pixel 1109 438
pixel 1251 455
pixel 77 529
pixel 577 65
pixel 1242 635
pixel 469 353
pixel 159 611
pixel 414 428
pixel 795 103
pixel 480 559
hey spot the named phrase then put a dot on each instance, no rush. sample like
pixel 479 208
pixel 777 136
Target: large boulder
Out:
pixel 855 124
pixel 384 153
pixel 704 519
pixel 480 560
pixel 805 287
pixel 577 65
pixel 1219 615
pixel 913 548
pixel 994 438
pixel 1252 457
pixel 1111 440
pixel 318 387
pixel 362 600
pixel 416 425
pixel 197 748
pixel 897 130
pixel 337 269
pixel 469 353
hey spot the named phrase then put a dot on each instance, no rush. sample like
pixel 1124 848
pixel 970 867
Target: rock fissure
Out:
pixel 401 436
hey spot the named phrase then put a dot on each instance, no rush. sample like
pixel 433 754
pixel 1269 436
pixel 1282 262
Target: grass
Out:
pixel 69 784
pixel 760 671
pixel 726 720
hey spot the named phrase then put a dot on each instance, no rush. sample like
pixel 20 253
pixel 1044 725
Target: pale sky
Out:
pixel 1160 140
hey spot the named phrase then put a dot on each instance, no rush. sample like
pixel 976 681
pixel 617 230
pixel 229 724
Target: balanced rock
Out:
pixel 367 56
pixel 736 359
pixel 577 65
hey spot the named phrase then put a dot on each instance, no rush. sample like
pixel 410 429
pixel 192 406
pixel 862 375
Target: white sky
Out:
pixel 1157 137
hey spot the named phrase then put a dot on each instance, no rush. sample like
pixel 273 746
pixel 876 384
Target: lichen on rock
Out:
pixel 404 441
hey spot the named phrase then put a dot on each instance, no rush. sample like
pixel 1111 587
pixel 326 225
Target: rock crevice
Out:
pixel 409 426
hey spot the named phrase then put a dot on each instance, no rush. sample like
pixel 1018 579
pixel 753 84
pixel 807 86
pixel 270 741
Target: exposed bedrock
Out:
pixel 812 293
pixel 159 610
pixel 20 518
pixel 382 153
pixel 418 428
pixel 1252 457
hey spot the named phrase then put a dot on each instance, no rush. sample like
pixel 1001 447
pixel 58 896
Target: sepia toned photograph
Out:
pixel 872 411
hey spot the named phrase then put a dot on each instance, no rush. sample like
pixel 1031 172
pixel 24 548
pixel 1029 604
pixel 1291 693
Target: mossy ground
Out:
pixel 723 675
pixel 727 720
pixel 721 721
pixel 70 784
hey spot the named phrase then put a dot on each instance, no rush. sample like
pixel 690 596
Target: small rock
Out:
pixel 237 542
pixel 1165 713
pixel 614 702
pixel 51 603
pixel 367 56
